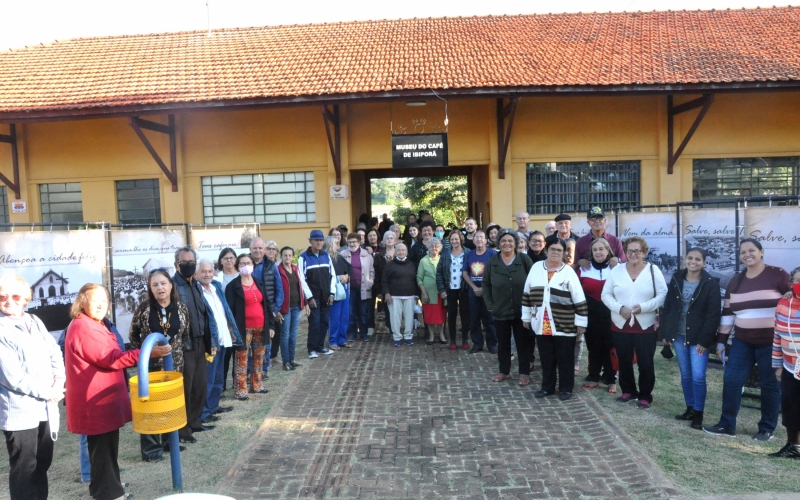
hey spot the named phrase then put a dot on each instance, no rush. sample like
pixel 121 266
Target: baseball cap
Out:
pixel 595 212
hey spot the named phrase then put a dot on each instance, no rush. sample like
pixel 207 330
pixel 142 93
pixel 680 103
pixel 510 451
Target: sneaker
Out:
pixel 643 405
pixel 326 352
pixel 789 450
pixel 396 343
pixel 313 354
pixel 719 431
pixel 626 397
pixel 409 342
pixel 763 436
pixel 453 347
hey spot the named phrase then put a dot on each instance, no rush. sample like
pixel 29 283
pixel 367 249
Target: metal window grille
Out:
pixel 61 202
pixel 266 198
pixel 3 204
pixel 728 178
pixel 577 186
pixel 139 202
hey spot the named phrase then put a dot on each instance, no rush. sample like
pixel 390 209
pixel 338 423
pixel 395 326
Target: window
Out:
pixel 139 202
pixel 3 205
pixel 739 177
pixel 576 186
pixel 265 198
pixel 61 202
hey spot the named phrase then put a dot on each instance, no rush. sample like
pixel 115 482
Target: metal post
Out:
pixel 144 395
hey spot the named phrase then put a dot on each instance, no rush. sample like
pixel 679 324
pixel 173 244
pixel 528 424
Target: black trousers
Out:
pixel 458 305
pixel 30 453
pixel 557 355
pixel 644 345
pixel 227 365
pixel 318 325
pixel 599 341
pixel 195 383
pixel 505 329
pixel 103 452
pixel 276 341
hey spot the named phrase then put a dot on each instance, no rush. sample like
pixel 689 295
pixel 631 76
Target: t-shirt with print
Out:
pixel 475 266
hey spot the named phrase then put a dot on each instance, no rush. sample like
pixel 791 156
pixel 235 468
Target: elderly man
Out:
pixel 563 229
pixel 31 384
pixel 550 228
pixel 470 226
pixel 474 266
pixel 317 269
pixel 596 218
pixel 265 257
pixel 523 218
pixel 196 346
pixel 223 336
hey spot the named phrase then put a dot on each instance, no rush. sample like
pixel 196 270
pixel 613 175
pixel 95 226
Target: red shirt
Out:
pixel 253 306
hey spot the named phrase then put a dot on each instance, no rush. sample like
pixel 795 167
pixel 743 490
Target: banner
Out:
pixel 713 230
pixel 777 230
pixel 56 265
pixel 209 242
pixel 660 231
pixel 135 253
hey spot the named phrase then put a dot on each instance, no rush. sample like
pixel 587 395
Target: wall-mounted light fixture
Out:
pixel 416 103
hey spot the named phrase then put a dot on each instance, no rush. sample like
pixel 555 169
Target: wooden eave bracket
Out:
pixel 11 138
pixel 704 102
pixel 331 119
pixel 504 134
pixel 138 124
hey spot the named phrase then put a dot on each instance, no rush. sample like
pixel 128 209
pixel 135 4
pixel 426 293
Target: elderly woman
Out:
pixel 453 289
pixel 97 395
pixel 503 283
pixel 432 306
pixel 633 292
pixel 163 313
pixel 295 291
pixel 399 287
pixel 385 255
pixel 31 383
pixel 339 315
pixel 786 362
pixel 361 282
pixel 554 307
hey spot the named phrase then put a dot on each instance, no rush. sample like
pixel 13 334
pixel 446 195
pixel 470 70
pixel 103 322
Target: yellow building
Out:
pixel 583 102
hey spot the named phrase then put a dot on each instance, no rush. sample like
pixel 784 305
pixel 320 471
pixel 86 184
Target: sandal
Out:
pixel 349 344
pixel 500 377
pixel 612 390
pixel 524 380
pixel 589 387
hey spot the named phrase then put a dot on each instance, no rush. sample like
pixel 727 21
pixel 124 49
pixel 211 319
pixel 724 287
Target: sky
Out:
pixel 30 22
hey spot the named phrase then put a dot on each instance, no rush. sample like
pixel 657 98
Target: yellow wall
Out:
pixel 99 152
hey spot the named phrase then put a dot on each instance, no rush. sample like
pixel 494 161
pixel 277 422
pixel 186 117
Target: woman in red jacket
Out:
pixel 97 396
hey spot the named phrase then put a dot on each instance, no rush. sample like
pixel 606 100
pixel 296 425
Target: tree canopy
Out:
pixel 445 197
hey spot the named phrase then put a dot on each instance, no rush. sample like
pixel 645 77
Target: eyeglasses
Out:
pixel 15 298
pixel 538 242
pixel 162 269
pixel 273 249
pixel 634 251
pixel 229 257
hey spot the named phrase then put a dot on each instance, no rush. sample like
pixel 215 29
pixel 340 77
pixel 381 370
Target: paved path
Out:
pixel 425 422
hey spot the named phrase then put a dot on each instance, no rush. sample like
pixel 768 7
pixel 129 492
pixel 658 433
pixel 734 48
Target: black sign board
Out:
pixel 419 150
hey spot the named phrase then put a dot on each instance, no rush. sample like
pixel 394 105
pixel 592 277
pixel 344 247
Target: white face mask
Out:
pixel 246 270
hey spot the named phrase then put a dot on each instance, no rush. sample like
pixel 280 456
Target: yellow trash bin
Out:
pixel 165 409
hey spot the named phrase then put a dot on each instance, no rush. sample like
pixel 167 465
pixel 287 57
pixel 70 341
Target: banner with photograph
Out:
pixel 774 229
pixel 580 225
pixel 713 230
pixel 660 231
pixel 209 242
pixel 136 252
pixel 56 264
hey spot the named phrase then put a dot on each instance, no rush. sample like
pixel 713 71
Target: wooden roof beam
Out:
pixel 138 124
pixel 503 133
pixel 701 102
pixel 331 120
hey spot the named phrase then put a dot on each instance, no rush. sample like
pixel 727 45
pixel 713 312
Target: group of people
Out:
pixel 513 289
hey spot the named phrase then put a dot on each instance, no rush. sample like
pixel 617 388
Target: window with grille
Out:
pixel 61 202
pixel 266 198
pixel 576 186
pixel 3 204
pixel 729 178
pixel 139 202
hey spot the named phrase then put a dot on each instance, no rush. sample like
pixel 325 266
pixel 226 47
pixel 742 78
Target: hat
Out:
pixel 561 217
pixel 595 212
pixel 316 234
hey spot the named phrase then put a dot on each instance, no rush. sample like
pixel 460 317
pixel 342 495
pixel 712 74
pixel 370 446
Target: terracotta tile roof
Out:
pixel 305 61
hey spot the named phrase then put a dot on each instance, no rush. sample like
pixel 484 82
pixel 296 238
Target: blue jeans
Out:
pixel 214 375
pixel 291 321
pixel 693 372
pixel 479 314
pixel 742 358
pixel 358 316
pixel 339 320
pixel 86 465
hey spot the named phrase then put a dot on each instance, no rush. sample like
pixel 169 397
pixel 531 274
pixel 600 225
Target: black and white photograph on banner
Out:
pixel 56 264
pixel 660 231
pixel 777 231
pixel 136 252
pixel 580 224
pixel 713 230
pixel 208 242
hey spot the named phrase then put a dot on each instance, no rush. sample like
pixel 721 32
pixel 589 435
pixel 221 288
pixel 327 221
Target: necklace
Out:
pixel 163 319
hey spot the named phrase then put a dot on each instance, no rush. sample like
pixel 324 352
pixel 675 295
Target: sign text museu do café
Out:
pixel 419 150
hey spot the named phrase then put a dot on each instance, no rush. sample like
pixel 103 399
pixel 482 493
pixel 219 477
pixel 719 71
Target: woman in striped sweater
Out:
pixel 750 302
pixel 785 358
pixel 554 307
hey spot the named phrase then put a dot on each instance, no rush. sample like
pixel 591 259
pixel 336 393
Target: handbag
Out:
pixel 340 294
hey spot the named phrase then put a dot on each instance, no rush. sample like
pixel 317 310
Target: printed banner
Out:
pixel 136 253
pixel 660 231
pixel 778 234
pixel 208 243
pixel 713 230
pixel 56 265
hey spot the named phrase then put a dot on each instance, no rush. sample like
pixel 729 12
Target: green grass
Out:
pixel 696 462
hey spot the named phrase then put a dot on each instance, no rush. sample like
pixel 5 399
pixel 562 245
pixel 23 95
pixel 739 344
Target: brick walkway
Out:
pixel 425 422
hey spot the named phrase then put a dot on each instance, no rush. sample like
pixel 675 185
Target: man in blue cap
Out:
pixel 316 266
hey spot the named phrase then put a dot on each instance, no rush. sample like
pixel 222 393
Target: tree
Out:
pixel 445 197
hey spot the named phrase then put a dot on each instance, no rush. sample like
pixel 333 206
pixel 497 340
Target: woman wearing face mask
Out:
pixel 750 301
pixel 690 321
pixel 785 359
pixel 250 305
pixel 438 233
pixel 400 288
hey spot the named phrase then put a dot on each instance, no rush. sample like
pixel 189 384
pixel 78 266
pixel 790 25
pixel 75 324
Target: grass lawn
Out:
pixel 696 462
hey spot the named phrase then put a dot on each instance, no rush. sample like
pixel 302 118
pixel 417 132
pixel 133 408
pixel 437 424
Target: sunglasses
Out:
pixel 15 298
pixel 162 269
